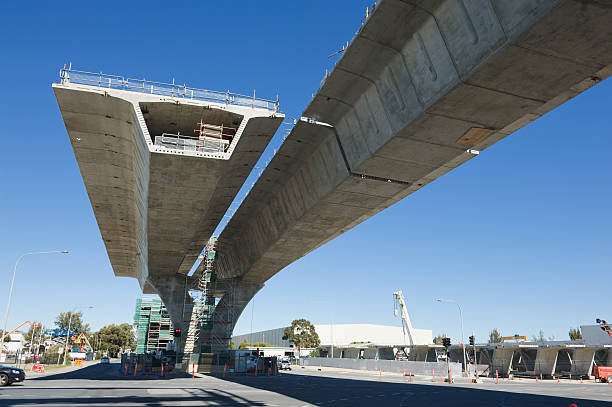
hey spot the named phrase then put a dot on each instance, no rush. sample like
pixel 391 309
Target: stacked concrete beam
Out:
pixel 422 86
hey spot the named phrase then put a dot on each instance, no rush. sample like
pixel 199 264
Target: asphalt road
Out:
pixel 103 385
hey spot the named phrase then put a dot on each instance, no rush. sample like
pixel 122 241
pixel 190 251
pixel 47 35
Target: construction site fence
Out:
pixel 439 369
pixel 68 75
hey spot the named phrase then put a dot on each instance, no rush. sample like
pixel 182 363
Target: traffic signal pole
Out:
pixel 475 356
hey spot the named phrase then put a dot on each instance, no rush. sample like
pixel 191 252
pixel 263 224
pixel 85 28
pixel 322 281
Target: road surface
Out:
pixel 98 384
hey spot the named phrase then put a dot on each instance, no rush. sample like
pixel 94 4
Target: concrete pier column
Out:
pixel 583 359
pixel 173 292
pixel 502 361
pixel 418 354
pixel 546 361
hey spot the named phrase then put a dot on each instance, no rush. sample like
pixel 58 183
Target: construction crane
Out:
pixel 406 324
pixel 34 324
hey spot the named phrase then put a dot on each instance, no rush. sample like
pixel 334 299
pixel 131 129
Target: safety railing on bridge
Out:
pixel 187 143
pixel 69 75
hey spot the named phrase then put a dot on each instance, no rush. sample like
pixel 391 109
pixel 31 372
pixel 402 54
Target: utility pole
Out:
pixel 462 335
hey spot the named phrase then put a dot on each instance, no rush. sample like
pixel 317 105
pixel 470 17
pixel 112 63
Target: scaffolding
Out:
pixel 153 325
pixel 212 320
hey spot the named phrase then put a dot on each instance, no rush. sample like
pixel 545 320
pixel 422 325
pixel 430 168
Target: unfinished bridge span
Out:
pixel 423 87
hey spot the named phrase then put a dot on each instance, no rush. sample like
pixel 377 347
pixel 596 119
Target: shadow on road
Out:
pixel 314 389
pixel 105 372
pixel 173 397
pixel 354 392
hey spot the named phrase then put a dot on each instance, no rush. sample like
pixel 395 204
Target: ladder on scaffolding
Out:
pixel 207 313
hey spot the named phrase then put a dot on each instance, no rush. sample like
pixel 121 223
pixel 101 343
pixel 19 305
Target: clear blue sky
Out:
pixel 519 235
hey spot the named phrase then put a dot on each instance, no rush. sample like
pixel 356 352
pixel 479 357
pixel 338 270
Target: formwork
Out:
pixel 153 326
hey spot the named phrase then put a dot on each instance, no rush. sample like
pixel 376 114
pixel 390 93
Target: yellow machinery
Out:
pixel 82 341
pixel 514 338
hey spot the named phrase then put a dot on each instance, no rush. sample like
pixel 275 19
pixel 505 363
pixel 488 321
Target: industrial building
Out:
pixel 342 335
pixel 153 326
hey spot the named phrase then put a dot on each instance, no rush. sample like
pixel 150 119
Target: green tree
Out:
pixel 575 334
pixel 74 319
pixel 495 336
pixel 245 344
pixel 438 339
pixel 115 338
pixel 34 332
pixel 302 333
pixel 541 338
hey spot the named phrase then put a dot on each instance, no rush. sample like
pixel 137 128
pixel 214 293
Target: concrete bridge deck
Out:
pixel 157 206
pixel 422 86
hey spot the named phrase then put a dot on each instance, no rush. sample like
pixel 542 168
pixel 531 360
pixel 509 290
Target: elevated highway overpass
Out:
pixel 422 88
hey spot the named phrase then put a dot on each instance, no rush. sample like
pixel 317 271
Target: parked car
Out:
pixel 105 359
pixel 284 364
pixel 10 375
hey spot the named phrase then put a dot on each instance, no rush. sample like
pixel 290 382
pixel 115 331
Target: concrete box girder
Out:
pixel 416 78
pixel 156 208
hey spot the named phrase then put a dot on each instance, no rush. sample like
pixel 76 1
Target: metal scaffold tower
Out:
pixel 211 321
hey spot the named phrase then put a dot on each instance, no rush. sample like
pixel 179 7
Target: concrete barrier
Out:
pixel 418 368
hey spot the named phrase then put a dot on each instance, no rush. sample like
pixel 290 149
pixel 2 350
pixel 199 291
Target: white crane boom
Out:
pixel 406 324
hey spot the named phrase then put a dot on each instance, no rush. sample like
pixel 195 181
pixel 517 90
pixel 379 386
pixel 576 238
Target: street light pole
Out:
pixel 462 335
pixel 8 306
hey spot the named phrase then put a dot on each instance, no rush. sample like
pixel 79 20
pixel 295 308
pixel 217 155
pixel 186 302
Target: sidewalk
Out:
pixel 65 369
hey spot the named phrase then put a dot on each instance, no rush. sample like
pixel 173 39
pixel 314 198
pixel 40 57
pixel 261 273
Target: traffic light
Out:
pixel 472 340
pixel 446 342
pixel 177 333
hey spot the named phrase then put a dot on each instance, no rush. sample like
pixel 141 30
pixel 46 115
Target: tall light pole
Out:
pixel 8 306
pixel 68 333
pixel 462 336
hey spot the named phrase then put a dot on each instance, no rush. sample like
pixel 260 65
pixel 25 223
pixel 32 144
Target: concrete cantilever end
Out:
pixel 157 197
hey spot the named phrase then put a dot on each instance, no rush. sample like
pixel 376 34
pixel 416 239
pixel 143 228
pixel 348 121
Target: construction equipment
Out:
pixel 604 326
pixel 516 337
pixel 81 340
pixel 603 373
pixel 406 324
pixel 34 324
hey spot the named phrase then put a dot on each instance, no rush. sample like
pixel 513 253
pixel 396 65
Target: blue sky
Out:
pixel 520 235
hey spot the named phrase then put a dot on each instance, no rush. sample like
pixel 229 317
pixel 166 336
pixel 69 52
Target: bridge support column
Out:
pixel 502 361
pixel 583 359
pixel 546 361
pixel 173 292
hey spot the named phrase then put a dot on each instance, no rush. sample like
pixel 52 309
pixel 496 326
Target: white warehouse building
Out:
pixel 343 335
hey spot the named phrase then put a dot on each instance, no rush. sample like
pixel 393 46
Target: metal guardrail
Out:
pixel 68 75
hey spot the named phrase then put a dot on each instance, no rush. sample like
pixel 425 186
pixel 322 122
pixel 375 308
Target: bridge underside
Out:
pixel 157 191
pixel 422 88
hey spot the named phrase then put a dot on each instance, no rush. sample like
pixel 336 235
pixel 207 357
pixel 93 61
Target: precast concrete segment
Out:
pixel 157 206
pixel 422 86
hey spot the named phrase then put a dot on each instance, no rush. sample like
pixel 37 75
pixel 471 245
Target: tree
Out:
pixel 495 336
pixel 541 338
pixel 575 334
pixel 115 338
pixel 74 319
pixel 302 333
pixel 34 333
pixel 245 344
pixel 438 339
